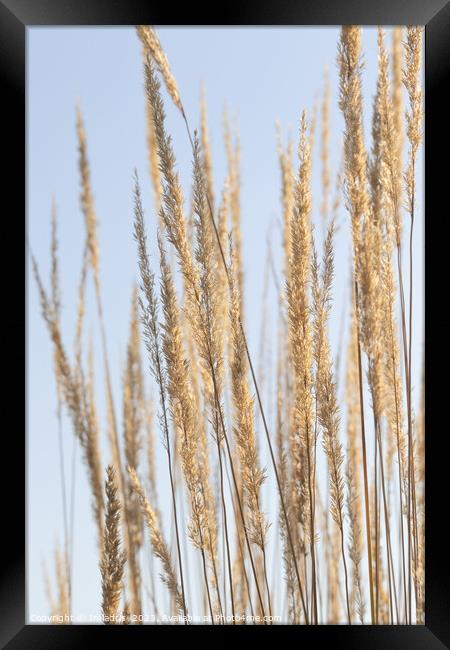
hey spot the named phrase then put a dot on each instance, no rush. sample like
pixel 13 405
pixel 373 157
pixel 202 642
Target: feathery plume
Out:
pixel 324 151
pixel 328 410
pixel 201 528
pixel 113 558
pixel 152 338
pixel 206 149
pixel 252 475
pixel 300 341
pixel 233 152
pixel 150 41
pixel 355 158
pixel 411 72
pixel 160 548
pixel 91 444
pixel 86 198
pixel 133 395
pixel 357 203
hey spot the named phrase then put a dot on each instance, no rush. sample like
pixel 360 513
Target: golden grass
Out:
pixel 346 549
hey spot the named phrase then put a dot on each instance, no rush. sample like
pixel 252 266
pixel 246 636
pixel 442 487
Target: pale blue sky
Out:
pixel 262 75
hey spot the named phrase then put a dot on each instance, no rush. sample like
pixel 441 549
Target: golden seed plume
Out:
pixel 183 414
pixel 252 475
pixel 324 151
pixel 113 558
pixel 355 158
pixel 172 210
pixel 160 548
pixel 206 149
pixel 86 198
pixel 92 449
pixel 300 341
pixel 150 40
pixel 411 81
pixel 233 152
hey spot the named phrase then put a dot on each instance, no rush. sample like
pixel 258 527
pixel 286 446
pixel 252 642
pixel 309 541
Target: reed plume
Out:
pixel 151 43
pixel 88 210
pixel 327 406
pixel 76 398
pixel 206 148
pixel 87 199
pixel 202 530
pixel 172 195
pixel 159 545
pixel 252 475
pixel 354 510
pixel 233 151
pixel 411 71
pixel 133 396
pixel 59 602
pixel 302 438
pixel 113 558
pixel 324 151
pixel 149 314
pixel 357 203
pixel 287 196
pixel 92 448
pixel 413 116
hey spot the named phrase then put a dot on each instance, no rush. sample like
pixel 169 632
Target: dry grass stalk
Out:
pixel 87 206
pixel 300 343
pixel 202 529
pixel 283 472
pixel 222 277
pixel 113 558
pixel 151 43
pixel 148 416
pixel 149 315
pixel 76 398
pixel 133 397
pixel 62 583
pixel 59 602
pixel 92 448
pixel 206 148
pixel 328 410
pixel 396 95
pixel 86 198
pixel 411 72
pixel 56 307
pixel 152 149
pixel 412 56
pixel 357 198
pixel 81 308
pixel 233 151
pixel 207 337
pixel 159 545
pixel 354 510
pixel 172 196
pixel 324 151
pixel 252 475
pixel 287 196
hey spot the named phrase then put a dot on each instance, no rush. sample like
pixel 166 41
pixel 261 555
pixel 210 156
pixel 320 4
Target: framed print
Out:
pixel 231 271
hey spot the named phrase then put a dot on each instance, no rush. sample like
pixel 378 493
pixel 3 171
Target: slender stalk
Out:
pixel 225 522
pixel 364 458
pixel 151 334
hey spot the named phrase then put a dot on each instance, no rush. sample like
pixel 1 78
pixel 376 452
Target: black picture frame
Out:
pixel 15 16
